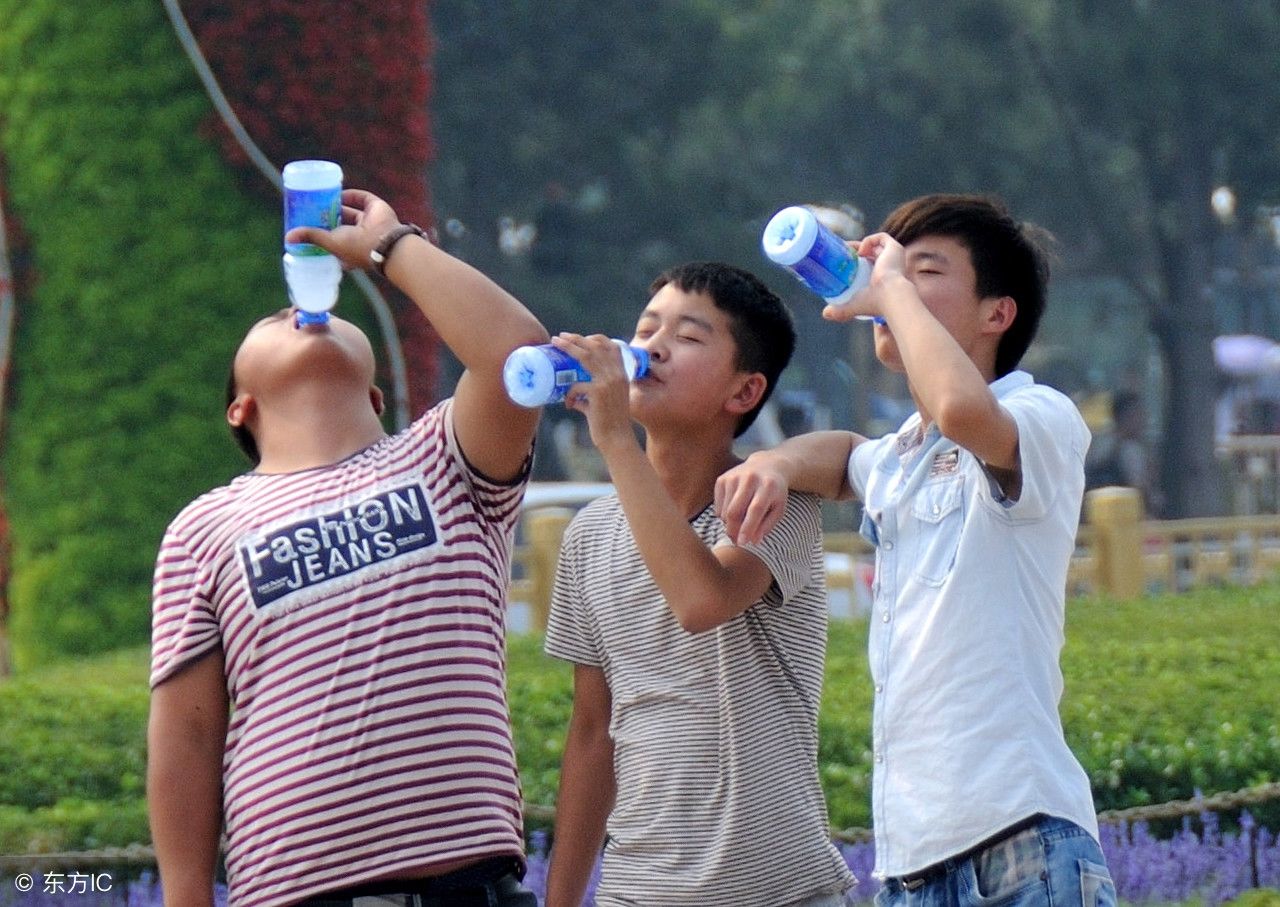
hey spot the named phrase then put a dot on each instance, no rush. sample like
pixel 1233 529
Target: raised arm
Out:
pixel 946 383
pixel 704 587
pixel 186 740
pixel 479 321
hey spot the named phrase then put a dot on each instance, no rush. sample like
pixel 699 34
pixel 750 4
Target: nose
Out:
pixel 653 346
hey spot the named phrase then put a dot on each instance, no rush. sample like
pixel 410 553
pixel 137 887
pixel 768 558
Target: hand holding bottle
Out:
pixel 538 375
pixel 605 398
pixel 885 258
pixel 816 256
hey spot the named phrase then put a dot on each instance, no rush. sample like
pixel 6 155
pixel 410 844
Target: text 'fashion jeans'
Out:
pixel 1054 862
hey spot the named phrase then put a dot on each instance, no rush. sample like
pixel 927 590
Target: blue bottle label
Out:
pixel 311 208
pixel 828 267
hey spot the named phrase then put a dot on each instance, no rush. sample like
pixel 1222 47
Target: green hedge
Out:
pixel 1163 697
pixel 147 262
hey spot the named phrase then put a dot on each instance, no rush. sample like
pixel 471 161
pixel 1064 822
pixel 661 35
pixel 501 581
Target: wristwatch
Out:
pixel 379 253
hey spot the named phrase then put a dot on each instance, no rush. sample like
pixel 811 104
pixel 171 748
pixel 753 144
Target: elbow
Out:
pixel 694 624
pixel 526 329
pixel 697 615
pixel 535 333
pixel 958 414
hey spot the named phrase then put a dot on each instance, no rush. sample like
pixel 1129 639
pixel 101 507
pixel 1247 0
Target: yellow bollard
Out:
pixel 1116 517
pixel 544 528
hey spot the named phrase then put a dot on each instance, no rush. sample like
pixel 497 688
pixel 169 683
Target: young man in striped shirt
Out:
pixel 344 601
pixel 698 664
pixel 973 507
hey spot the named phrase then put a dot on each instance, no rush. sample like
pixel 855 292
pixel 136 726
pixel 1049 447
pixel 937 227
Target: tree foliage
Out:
pixel 675 131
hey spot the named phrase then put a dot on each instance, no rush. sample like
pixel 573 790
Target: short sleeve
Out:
pixel 863 460
pixel 570 633
pixel 792 549
pixel 184 625
pixel 1052 442
pixel 499 502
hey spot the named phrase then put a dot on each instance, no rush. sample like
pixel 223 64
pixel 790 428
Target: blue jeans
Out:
pixel 1054 862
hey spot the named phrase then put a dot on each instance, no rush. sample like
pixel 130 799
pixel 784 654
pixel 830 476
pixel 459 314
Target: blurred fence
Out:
pixel 1251 464
pixel 1118 554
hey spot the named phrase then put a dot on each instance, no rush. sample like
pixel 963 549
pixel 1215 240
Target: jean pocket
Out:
pixel 938 510
pixel 1096 887
pixel 1013 871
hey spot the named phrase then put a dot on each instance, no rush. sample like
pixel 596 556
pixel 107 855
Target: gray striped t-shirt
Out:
pixel 716 734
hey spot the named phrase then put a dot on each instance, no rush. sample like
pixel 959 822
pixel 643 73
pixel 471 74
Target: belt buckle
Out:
pixel 912 884
pixel 387 900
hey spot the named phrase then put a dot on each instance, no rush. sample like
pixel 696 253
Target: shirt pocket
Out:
pixel 937 513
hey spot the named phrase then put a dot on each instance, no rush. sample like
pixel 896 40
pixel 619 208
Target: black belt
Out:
pixel 461 886
pixel 938 870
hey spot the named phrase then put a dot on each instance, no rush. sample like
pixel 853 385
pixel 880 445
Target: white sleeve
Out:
pixel 1052 442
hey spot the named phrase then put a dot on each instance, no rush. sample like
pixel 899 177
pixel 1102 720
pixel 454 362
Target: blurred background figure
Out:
pixel 1121 455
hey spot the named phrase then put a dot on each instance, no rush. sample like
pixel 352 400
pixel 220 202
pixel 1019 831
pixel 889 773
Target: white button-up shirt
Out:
pixel 967 630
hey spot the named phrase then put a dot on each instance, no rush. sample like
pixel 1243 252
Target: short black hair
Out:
pixel 760 323
pixel 240 433
pixel 1010 257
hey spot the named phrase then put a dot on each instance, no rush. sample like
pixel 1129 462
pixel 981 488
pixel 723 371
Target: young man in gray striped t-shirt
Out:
pixel 697 663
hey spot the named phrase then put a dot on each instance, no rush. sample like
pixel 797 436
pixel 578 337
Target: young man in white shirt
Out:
pixel 973 507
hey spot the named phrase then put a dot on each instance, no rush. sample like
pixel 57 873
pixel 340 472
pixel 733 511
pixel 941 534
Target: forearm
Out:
pixel 697 587
pixel 479 321
pixel 944 380
pixel 816 462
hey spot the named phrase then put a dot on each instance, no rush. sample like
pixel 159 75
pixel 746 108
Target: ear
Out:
pixel 241 410
pixel 1000 316
pixel 748 394
pixel 375 397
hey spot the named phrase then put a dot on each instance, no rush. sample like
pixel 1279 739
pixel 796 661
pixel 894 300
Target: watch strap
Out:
pixel 379 254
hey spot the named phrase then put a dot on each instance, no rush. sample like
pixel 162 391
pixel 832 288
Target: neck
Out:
pixel 314 426
pixel 685 469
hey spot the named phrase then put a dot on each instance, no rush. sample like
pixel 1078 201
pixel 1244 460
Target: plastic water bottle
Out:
pixel 312 198
pixel 538 375
pixel 817 257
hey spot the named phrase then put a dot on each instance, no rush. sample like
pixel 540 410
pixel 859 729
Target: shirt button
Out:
pixel 879 757
pixel 888 546
pixel 937 509
pixel 884 616
pixel 879 688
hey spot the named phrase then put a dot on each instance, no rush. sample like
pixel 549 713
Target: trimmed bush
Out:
pixel 1164 697
pixel 147 262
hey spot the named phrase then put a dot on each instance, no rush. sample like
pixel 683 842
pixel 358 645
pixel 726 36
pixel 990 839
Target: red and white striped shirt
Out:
pixel 360 608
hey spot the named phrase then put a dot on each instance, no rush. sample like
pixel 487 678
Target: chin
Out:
pixel 887 354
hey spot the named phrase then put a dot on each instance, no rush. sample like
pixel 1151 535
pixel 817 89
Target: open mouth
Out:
pixel 310 325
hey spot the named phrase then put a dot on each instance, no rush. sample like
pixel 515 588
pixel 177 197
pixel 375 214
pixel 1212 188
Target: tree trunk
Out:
pixel 1184 331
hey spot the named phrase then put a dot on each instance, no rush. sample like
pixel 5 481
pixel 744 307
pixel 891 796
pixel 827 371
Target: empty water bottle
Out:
pixel 816 256
pixel 538 375
pixel 312 198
